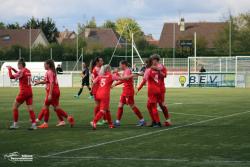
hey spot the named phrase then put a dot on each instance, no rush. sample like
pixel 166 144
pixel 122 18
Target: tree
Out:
pixel 2 25
pixel 109 24
pixel 13 26
pixel 126 25
pixel 89 24
pixel 47 25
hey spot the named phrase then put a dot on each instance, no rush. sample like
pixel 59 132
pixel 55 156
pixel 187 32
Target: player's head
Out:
pixel 104 69
pixel 123 64
pixel 148 63
pixel 115 70
pixel 98 61
pixel 84 65
pixel 50 65
pixel 21 64
pixel 155 59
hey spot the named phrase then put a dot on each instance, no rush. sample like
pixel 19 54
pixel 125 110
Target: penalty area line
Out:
pixel 141 135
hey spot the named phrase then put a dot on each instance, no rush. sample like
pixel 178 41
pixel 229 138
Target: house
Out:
pixel 175 35
pixel 66 36
pixel 105 37
pixel 22 38
pixel 150 39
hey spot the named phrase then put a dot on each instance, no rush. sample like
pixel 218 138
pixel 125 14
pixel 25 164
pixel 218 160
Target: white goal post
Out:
pixel 242 72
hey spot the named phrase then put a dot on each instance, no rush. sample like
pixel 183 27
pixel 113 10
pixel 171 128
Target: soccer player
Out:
pixel 104 81
pixel 151 76
pixel 156 65
pixel 25 93
pixel 85 80
pixel 52 96
pixel 127 96
pixel 96 66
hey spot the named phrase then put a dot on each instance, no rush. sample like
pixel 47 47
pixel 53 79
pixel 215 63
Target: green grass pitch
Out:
pixel 211 129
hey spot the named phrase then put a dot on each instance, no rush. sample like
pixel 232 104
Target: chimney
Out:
pixel 182 24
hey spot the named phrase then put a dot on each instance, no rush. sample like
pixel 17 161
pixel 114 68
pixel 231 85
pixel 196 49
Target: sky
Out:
pixel 150 14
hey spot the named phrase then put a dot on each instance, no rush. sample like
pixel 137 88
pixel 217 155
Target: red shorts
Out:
pixel 156 98
pixel 129 100
pixel 55 98
pixel 104 103
pixel 25 97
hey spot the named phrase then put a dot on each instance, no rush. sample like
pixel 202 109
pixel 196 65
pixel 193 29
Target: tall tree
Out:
pixel 126 26
pixel 2 25
pixel 109 24
pixel 89 24
pixel 13 26
pixel 47 25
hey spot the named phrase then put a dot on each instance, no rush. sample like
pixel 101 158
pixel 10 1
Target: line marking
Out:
pixel 149 159
pixel 180 113
pixel 141 135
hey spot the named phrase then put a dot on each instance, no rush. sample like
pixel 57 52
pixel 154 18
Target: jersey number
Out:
pixel 103 82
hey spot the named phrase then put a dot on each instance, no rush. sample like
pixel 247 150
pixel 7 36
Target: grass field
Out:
pixel 211 129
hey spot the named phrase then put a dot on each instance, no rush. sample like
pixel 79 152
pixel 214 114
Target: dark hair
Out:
pixel 148 62
pixel 124 62
pixel 94 62
pixel 22 62
pixel 155 57
pixel 51 65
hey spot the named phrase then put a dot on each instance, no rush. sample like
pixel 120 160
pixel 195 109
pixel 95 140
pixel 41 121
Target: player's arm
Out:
pixel 141 85
pixel 16 75
pixel 51 87
pixel 42 82
pixel 117 83
pixel 13 69
pixel 127 77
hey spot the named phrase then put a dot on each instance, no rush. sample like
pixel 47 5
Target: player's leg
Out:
pixel 79 92
pixel 166 114
pixel 155 115
pixel 46 114
pixel 109 119
pixel 119 112
pixel 15 107
pixel 90 92
pixel 32 116
pixel 131 103
pixel 97 117
pixel 150 110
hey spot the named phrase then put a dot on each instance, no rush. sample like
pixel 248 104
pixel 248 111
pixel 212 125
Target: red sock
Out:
pixel 32 116
pixel 137 112
pixel 46 115
pixel 59 116
pixel 165 111
pixel 108 116
pixel 41 114
pixel 15 115
pixel 62 113
pixel 98 116
pixel 150 111
pixel 155 112
pixel 119 113
pixel 96 110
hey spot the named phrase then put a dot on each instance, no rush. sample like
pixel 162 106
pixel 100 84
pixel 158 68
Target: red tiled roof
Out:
pixel 20 37
pixel 206 30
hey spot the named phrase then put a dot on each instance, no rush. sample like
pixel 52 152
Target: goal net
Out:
pixel 242 70
pixel 211 71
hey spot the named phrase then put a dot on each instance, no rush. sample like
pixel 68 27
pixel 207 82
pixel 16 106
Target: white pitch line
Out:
pixel 149 159
pixel 198 115
pixel 141 135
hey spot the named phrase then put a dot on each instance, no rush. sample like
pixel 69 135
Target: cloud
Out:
pixel 151 14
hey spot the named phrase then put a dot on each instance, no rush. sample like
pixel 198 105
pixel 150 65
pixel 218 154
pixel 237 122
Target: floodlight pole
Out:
pixel 77 48
pixel 30 41
pixel 195 50
pixel 230 38
pixel 51 54
pixel 173 44
pixel 132 54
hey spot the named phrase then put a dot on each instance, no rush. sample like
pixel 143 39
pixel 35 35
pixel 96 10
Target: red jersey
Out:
pixel 50 77
pixel 128 85
pixel 95 74
pixel 24 77
pixel 104 83
pixel 152 77
pixel 162 77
